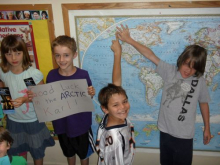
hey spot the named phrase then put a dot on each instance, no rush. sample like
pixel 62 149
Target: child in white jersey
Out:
pixel 183 88
pixel 115 140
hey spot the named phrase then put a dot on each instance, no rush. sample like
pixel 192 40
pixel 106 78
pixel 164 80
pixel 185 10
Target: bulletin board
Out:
pixel 43 31
pixel 49 26
pixel 165 27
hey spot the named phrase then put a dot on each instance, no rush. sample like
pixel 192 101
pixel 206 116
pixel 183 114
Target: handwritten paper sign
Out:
pixel 60 99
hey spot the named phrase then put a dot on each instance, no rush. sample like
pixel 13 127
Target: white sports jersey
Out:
pixel 115 145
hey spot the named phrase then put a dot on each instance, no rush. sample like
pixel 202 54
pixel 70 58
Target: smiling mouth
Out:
pixel 123 112
pixel 186 74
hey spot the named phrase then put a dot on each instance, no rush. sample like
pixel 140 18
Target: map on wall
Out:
pixel 167 36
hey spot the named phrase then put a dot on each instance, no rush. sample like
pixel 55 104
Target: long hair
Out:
pixel 197 56
pixel 14 43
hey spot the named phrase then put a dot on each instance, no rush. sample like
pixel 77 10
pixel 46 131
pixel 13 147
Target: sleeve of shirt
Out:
pixel 88 79
pixel 37 76
pixel 204 96
pixel 48 77
pixel 2 75
pixel 164 70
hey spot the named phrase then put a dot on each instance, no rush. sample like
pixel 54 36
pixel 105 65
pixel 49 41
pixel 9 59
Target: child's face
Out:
pixel 14 58
pixel 118 108
pixel 10 15
pixel 36 15
pixel 64 57
pixel 26 15
pixel 44 15
pixel 187 71
pixel 19 15
pixel 4 146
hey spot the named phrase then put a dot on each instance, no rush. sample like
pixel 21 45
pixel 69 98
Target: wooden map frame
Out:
pixel 131 5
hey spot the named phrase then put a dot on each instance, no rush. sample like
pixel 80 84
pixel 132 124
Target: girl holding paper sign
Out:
pixel 27 132
pixel 74 131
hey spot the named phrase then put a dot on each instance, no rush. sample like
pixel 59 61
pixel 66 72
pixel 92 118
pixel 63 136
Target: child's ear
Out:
pixel 75 55
pixel 8 145
pixel 105 110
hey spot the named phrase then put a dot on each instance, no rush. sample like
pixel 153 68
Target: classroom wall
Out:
pixel 143 156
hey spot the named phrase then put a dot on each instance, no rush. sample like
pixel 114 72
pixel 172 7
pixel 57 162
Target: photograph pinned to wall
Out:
pixel 10 15
pixel 19 15
pixel 2 15
pixel 25 31
pixel 35 15
pixel 44 15
pixel 27 15
pixel 24 15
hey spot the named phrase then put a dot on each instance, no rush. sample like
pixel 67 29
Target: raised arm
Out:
pixel 116 73
pixel 124 35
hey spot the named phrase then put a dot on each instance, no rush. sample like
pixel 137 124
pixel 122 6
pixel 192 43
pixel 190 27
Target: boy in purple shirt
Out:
pixel 74 131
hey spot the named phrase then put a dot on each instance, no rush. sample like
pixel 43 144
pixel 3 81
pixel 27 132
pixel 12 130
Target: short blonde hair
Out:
pixel 64 40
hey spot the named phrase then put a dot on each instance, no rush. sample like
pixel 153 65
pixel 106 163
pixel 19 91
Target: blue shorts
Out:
pixel 82 145
pixel 175 150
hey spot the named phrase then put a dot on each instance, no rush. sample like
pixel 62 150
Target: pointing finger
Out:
pixel 116 36
pixel 119 29
pixel 123 27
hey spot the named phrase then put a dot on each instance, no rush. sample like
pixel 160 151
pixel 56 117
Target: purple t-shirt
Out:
pixel 76 124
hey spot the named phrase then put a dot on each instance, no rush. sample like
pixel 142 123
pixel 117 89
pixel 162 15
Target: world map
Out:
pixel 167 37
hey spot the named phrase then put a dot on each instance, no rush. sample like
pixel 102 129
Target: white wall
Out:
pixel 57 9
pixel 54 154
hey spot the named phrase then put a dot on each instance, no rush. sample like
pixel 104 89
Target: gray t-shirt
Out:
pixel 179 101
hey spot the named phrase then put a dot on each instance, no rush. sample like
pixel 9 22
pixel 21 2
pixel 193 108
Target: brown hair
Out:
pixel 106 92
pixel 14 43
pixel 64 40
pixel 197 56
pixel 5 136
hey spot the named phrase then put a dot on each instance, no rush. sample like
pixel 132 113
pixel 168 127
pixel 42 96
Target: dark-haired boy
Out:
pixel 115 140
